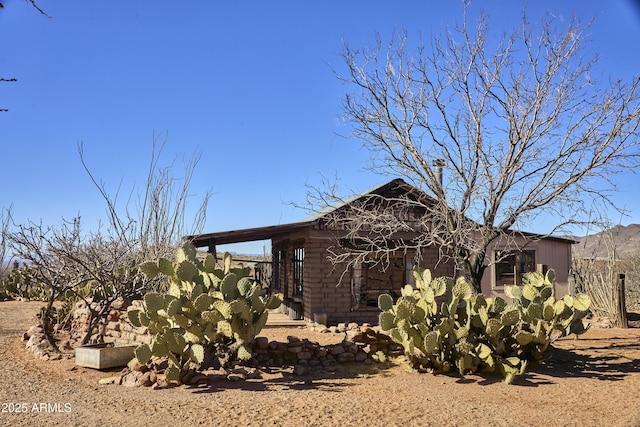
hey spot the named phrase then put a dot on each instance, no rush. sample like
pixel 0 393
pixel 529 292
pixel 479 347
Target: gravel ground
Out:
pixel 592 381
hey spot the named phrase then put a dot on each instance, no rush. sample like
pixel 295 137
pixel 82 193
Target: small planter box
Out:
pixel 104 356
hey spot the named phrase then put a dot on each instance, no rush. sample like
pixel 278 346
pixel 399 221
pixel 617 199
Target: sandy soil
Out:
pixel 592 381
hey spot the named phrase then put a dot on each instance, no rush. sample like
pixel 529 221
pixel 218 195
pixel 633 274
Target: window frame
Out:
pixel 297 262
pixel 280 269
pixel 363 277
pixel 513 261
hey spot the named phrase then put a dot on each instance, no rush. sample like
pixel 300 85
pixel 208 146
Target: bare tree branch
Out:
pixel 157 224
pixel 520 123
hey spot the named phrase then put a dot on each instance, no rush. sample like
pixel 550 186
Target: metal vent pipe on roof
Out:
pixel 438 164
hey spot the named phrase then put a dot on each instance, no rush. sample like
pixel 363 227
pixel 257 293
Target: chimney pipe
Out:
pixel 438 164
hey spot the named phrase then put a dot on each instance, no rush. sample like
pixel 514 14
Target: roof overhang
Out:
pixel 246 235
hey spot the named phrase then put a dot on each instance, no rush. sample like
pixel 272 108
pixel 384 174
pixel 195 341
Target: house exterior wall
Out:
pixel 328 291
pixel 327 288
pixel 550 253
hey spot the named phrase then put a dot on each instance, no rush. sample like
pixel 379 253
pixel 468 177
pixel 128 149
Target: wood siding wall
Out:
pixel 554 254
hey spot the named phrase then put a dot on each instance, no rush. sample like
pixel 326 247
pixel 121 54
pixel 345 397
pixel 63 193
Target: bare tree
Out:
pixel 99 267
pixel 519 124
pixel 5 223
pixel 156 224
pixel 94 268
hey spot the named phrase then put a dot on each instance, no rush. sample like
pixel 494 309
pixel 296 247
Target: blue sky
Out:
pixel 249 84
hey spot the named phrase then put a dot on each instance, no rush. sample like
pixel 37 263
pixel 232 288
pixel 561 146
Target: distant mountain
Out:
pixel 624 240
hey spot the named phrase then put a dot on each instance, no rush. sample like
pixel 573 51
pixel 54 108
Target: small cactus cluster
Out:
pixel 206 312
pixel 444 325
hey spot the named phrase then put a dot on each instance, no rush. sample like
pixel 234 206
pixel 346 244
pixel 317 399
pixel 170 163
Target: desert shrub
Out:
pixel 22 282
pixel 208 317
pixel 470 333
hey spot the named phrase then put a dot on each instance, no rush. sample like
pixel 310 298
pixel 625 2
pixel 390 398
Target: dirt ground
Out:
pixel 592 381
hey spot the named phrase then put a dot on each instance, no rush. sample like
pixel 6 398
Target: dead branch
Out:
pixel 518 123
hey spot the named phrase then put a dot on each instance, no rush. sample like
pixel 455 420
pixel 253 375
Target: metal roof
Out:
pixel 271 231
pixel 246 234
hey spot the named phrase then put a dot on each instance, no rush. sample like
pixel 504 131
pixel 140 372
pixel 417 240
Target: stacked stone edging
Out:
pixel 113 327
pixel 361 343
pixel 302 356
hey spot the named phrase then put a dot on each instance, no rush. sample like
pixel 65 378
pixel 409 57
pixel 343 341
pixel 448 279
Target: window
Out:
pixel 368 282
pixel 511 265
pixel 279 270
pixel 298 271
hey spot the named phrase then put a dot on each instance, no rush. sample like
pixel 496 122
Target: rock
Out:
pixel 337 349
pixel 254 374
pixel 327 363
pixel 361 356
pixel 321 328
pixel 35 330
pixel 342 327
pixel 353 335
pixel 186 378
pixel 131 379
pixel 118 304
pixel 300 370
pixel 235 377
pixel 198 378
pixel 304 355
pixel 113 325
pixel 108 380
pixel 147 379
pixel 160 384
pixel 346 357
pixel 262 343
pixel 239 370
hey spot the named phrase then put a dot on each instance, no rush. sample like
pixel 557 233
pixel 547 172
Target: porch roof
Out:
pixel 246 234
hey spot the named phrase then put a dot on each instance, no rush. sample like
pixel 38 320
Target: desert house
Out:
pixel 317 290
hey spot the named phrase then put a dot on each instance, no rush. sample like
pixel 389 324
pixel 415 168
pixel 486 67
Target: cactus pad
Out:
pixel 143 353
pixel 165 267
pixel 154 301
pixel 197 353
pixel 149 269
pixel 386 320
pixel 186 271
pixel 462 289
pixel 385 302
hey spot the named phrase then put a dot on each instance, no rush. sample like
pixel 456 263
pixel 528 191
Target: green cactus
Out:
pixel 204 310
pixel 473 333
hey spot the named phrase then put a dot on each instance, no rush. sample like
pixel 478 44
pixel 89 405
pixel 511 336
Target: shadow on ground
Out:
pixel 604 364
pixel 284 378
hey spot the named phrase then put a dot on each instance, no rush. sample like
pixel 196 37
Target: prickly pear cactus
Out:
pixel 207 315
pixel 442 324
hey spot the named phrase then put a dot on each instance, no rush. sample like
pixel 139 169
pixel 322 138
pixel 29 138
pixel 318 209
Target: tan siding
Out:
pixel 554 254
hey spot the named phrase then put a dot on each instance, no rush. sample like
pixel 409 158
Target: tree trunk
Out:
pixel 473 267
pixel 46 317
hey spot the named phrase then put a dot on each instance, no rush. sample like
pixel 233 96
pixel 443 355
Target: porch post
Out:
pixel 212 248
